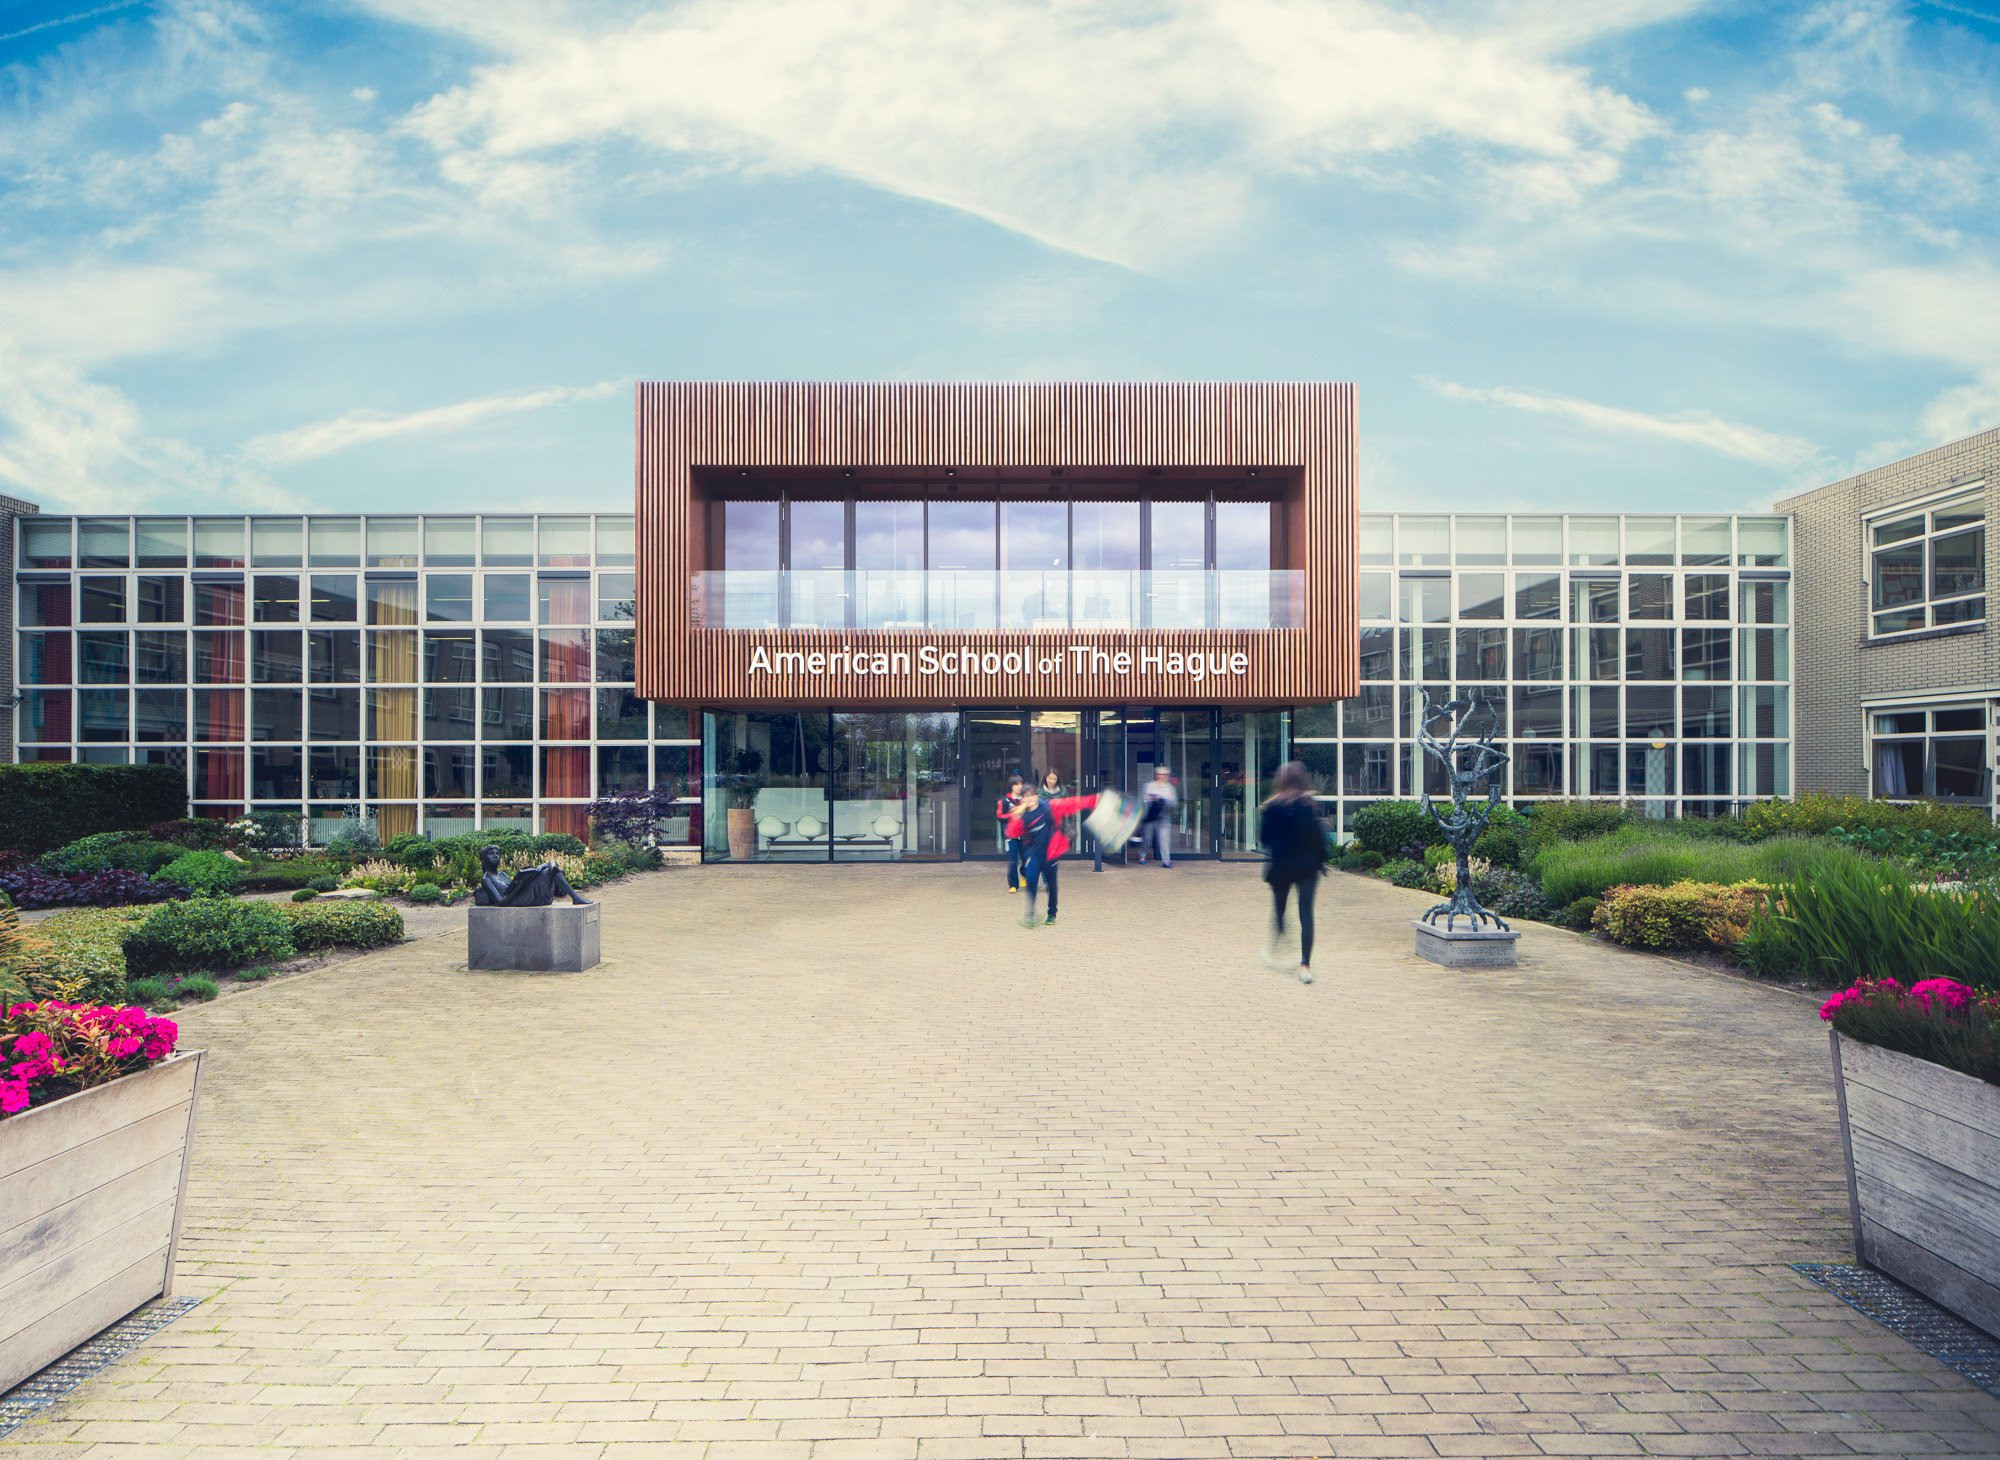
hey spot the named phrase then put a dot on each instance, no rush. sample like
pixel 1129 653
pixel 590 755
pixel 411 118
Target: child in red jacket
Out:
pixel 1038 824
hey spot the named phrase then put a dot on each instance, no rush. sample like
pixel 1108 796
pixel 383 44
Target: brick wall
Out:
pixel 1836 670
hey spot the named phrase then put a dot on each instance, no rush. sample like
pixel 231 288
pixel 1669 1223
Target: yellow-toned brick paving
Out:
pixel 844 1162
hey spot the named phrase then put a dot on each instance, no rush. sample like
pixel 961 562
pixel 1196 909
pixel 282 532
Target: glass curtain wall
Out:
pixel 895 786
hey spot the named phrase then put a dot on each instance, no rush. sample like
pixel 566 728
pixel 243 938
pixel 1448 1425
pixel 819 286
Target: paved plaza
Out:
pixel 840 1161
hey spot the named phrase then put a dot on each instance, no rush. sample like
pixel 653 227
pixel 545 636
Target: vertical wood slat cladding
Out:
pixel 1304 428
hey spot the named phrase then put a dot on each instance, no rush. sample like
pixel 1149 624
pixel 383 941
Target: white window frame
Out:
pixel 1927 508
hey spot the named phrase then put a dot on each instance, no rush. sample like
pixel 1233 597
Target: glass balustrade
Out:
pixel 964 600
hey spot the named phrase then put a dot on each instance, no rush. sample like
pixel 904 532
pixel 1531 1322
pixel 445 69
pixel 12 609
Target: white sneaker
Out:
pixel 1305 974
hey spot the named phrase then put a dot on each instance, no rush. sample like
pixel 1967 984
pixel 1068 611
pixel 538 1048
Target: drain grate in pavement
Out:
pixel 25 1400
pixel 1950 1340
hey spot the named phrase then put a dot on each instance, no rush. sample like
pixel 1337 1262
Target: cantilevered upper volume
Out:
pixel 919 545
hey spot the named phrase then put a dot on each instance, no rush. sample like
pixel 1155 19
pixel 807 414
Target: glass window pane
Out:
pixel 565 655
pixel 1705 541
pixel 218 542
pixel 1593 541
pixel 104 542
pixel 507 655
pixel 161 542
pixel 448 598
pixel 564 600
pixel 275 598
pixel 1595 601
pixel 46 658
pixel 277 542
pixel 1377 601
pixel 1898 530
pixel 509 542
pixel 507 714
pixel 218 604
pixel 159 714
pixel 1761 542
pixel 159 656
pixel 1649 654
pixel 1651 596
pixel 615 598
pixel 333 598
pixel 334 772
pixel 889 536
pixel 335 541
pixel 617 656
pixel 1034 536
pixel 1958 769
pixel 103 658
pixel 621 715
pixel 275 714
pixel 749 537
pixel 819 537
pixel 451 656
pixel 1482 654
pixel 276 656
pixel 1958 563
pixel 333 714
pixel 160 600
pixel 1179 536
pixel 392 542
pixel 1425 541
pixel 333 656
pixel 1482 595
pixel 507 597
pixel 1649 541
pixel 45 544
pixel 392 656
pixel 614 542
pixel 565 542
pixel 1705 596
pixel 1378 654
pixel 1104 536
pixel 1538 539
pixel 46 604
pixel 1482 539
pixel 1538 653
pixel 1377 535
pixel 1537 595
pixel 451 542
pixel 1425 600
pixel 962 536
pixel 101 601
pixel 450 714
pixel 449 770
pixel 1705 654
pixel 1244 533
pixel 392 601
pixel 218 658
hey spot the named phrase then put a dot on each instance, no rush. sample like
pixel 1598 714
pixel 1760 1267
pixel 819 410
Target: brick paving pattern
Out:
pixel 835 1162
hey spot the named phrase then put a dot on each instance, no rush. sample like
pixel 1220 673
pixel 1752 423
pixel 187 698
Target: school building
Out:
pixel 840 615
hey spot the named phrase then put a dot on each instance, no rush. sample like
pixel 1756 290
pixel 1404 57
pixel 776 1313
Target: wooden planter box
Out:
pixel 1923 1175
pixel 90 1210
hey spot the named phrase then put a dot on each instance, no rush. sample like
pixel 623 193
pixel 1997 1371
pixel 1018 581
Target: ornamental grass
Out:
pixel 1872 921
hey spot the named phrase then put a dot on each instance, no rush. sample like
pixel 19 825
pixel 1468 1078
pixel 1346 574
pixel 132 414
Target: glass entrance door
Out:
pixel 994 750
pixel 1185 745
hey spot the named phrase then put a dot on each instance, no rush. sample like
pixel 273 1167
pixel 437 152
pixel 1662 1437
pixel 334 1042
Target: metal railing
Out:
pixel 953 600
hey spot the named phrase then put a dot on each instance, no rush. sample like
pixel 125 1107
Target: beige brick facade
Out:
pixel 1837 670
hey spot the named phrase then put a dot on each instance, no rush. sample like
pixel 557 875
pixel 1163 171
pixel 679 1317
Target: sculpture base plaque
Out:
pixel 1466 947
pixel 560 938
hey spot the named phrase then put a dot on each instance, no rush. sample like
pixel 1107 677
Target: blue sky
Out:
pixel 1637 254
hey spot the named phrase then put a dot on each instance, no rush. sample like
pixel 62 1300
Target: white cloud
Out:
pixel 1123 131
pixel 1687 428
pixel 362 428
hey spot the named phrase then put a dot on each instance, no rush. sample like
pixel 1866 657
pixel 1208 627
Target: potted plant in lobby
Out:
pixel 745 780
pixel 96 1116
pixel 1917 1074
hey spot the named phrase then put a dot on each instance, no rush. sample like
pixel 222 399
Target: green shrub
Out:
pixel 206 874
pixel 1680 917
pixel 256 974
pixel 356 843
pixel 89 943
pixel 1870 920
pixel 288 875
pixel 325 882
pixel 418 853
pixel 1440 855
pixel 197 986
pixel 1816 812
pixel 42 806
pixel 426 892
pixel 195 833
pixel 1570 821
pixel 151 993
pixel 1510 893
pixel 318 925
pixel 1577 914
pixel 272 831
pixel 1396 829
pixel 1361 860
pixel 208 933
pixel 1405 873
pixel 1499 845
pixel 105 850
pixel 559 842
pixel 304 894
pixel 1648 856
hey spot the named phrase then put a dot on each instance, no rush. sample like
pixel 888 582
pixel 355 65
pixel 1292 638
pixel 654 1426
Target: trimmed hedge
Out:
pixel 47 806
pixel 208 932
pixel 319 925
pixel 1680 916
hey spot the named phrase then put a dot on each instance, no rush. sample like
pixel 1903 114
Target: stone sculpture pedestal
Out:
pixel 560 938
pixel 1465 947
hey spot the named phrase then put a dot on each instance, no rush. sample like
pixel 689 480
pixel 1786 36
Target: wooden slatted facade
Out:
pixel 1298 438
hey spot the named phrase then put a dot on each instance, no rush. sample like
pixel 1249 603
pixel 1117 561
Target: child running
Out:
pixel 1038 823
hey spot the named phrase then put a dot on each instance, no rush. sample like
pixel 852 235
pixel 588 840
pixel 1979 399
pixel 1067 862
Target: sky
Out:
pixel 383 255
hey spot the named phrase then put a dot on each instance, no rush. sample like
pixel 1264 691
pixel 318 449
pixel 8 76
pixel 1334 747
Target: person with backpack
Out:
pixel 1038 823
pixel 1294 840
pixel 1010 800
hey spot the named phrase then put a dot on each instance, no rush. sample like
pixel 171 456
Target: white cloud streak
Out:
pixel 1688 428
pixel 364 428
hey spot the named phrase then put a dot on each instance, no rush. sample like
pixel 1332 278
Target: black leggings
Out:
pixel 1281 887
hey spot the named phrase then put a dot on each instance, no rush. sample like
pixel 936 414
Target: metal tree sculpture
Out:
pixel 1469 756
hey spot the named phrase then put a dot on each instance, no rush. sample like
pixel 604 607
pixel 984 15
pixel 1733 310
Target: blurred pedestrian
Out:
pixel 1156 826
pixel 1294 840
pixel 1010 801
pixel 1038 824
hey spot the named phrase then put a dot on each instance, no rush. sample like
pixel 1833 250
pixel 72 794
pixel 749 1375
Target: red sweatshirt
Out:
pixel 1058 809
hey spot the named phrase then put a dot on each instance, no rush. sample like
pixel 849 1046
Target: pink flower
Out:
pixel 1949 993
pixel 124 1047
pixel 13 1097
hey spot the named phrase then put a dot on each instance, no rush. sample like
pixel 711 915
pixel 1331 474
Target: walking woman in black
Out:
pixel 1295 843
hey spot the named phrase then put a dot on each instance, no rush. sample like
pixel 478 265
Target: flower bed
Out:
pixel 1938 1019
pixel 50 1049
pixel 1680 917
pixel 32 887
